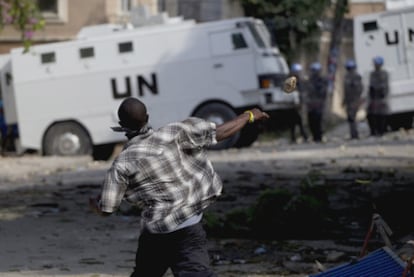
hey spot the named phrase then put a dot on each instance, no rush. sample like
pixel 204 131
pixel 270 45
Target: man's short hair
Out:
pixel 132 113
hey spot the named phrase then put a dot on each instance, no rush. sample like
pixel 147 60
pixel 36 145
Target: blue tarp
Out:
pixel 379 263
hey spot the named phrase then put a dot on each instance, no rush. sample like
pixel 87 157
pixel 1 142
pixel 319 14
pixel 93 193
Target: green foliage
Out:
pixel 237 222
pixel 24 16
pixel 269 213
pixel 212 223
pixel 293 22
pixel 282 214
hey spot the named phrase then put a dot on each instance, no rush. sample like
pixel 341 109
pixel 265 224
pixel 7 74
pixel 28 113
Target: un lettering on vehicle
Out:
pixel 393 37
pixel 143 84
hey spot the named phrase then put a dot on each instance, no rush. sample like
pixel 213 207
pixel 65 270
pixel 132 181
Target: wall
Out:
pixel 359 8
pixel 78 13
pixel 202 10
pixel 73 15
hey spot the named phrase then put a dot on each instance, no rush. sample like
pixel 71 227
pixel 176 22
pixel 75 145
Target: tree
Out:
pixel 24 15
pixel 341 7
pixel 293 23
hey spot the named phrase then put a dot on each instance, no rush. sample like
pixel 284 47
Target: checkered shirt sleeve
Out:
pixel 168 172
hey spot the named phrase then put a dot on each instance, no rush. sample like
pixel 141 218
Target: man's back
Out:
pixel 316 92
pixel 378 92
pixel 168 170
pixel 378 84
pixel 352 88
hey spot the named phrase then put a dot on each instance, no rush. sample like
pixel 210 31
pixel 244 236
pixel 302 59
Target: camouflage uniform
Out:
pixel 316 88
pixel 377 101
pixel 352 99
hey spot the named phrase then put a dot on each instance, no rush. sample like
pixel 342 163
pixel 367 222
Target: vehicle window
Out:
pixel 238 41
pixel 265 34
pixel 225 43
pixel 48 58
pixel 8 77
pixel 370 26
pixel 125 47
pixel 256 35
pixel 87 52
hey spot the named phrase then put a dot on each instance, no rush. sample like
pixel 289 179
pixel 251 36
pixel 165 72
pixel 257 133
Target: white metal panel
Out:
pixel 393 39
pixel 368 43
pixel 234 69
pixel 398 4
pixel 408 20
pixel 177 57
pixel 394 53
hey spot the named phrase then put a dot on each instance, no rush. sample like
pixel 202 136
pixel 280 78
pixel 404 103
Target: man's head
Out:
pixel 132 114
pixel 296 68
pixel 378 62
pixel 350 65
pixel 315 68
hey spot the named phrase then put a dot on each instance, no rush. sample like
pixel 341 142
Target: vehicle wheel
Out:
pixel 67 139
pixel 248 135
pixel 402 120
pixel 103 152
pixel 219 113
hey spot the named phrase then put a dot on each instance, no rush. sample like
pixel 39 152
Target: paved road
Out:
pixel 46 228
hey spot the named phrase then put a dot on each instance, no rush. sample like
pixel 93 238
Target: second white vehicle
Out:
pixel 390 34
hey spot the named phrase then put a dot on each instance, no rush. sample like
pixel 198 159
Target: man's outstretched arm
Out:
pixel 231 127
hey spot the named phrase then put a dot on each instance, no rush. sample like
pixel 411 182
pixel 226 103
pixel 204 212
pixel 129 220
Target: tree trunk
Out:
pixel 334 48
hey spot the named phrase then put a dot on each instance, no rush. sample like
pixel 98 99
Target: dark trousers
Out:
pixel 353 130
pixel 377 124
pixel 184 251
pixel 315 125
pixel 297 121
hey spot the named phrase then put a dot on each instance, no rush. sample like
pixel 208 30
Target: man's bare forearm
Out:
pixel 231 127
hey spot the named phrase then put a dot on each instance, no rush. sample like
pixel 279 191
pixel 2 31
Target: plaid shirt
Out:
pixel 167 172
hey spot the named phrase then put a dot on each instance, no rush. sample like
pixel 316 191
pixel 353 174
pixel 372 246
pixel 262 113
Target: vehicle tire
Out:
pixel 219 113
pixel 103 152
pixel 248 135
pixel 67 139
pixel 402 120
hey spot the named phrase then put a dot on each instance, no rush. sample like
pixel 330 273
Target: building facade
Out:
pixel 201 10
pixel 64 19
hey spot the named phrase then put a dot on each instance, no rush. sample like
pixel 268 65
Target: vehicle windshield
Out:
pixel 260 34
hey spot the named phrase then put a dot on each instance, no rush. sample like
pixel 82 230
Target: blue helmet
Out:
pixel 316 66
pixel 295 67
pixel 350 64
pixel 378 60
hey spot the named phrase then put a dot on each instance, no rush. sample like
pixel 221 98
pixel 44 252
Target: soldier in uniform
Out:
pixel 377 98
pixel 296 70
pixel 317 88
pixel 352 96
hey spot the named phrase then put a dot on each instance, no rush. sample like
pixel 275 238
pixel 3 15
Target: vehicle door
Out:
pixel 232 61
pixel 399 48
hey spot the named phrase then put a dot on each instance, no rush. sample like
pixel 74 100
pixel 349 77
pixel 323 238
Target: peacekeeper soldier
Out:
pixel 377 98
pixel 352 96
pixel 317 88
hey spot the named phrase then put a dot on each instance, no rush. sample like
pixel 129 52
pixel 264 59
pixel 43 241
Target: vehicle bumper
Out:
pixel 275 99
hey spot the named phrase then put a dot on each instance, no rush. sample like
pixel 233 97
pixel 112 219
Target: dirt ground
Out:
pixel 47 229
